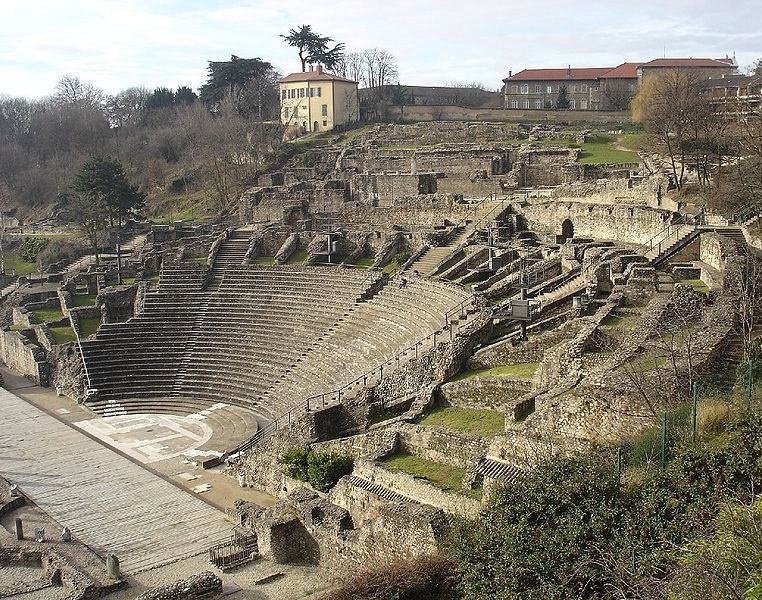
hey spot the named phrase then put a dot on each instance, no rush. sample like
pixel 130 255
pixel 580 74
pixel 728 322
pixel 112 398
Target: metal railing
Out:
pixel 657 240
pixel 81 355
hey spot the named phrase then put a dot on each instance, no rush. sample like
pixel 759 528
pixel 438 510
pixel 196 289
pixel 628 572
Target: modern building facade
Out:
pixel 598 88
pixel 317 101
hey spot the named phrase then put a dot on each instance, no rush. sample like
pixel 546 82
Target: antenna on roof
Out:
pixel 665 51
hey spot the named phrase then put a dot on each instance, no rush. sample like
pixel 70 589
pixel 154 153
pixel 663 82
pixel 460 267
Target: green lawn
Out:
pixel 47 315
pixel 83 299
pixel 442 476
pixel 89 326
pixel 391 268
pixel 14 263
pixel 605 153
pixel 63 335
pixel 642 363
pixel 696 284
pixel 350 135
pixel 297 257
pixel 471 420
pixel 154 277
pixel 199 260
pixel 520 370
pixel 264 260
pixel 18 327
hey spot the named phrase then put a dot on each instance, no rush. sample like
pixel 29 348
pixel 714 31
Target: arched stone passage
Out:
pixel 567 229
pixel 315 126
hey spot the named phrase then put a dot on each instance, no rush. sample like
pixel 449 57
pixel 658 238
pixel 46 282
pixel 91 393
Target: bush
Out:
pixel 423 578
pixel 62 249
pixel 31 247
pixel 567 530
pixel 320 469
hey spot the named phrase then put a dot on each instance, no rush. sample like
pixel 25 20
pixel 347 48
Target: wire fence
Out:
pixel 689 423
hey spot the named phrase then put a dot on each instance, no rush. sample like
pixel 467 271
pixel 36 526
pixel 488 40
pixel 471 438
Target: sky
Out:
pixel 117 44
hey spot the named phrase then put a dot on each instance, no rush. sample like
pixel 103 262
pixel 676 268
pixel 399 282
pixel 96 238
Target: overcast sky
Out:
pixel 122 43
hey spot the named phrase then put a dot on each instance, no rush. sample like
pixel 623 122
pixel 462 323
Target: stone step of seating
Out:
pixel 495 469
pixel 378 490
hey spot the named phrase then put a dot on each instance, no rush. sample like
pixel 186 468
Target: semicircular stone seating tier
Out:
pixel 265 338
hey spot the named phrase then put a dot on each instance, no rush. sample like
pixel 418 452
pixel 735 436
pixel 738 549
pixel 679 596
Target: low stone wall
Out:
pixel 23 356
pixel 203 585
pixel 441 445
pixel 423 112
pixel 494 393
pixel 418 489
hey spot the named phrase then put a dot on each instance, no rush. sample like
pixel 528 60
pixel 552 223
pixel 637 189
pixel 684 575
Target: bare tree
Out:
pixel 71 90
pixel 665 105
pixel 379 68
pixel 351 66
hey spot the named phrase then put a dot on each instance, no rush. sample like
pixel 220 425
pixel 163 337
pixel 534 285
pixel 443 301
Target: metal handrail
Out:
pixel 663 235
pixel 81 353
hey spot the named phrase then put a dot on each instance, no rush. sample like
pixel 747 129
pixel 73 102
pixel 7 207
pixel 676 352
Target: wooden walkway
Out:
pixel 109 503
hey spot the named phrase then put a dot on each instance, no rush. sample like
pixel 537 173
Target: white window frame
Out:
pixel 539 104
pixel 526 104
pixel 514 89
pixel 537 88
pixel 583 87
pixel 573 104
pixel 524 88
pixel 549 89
pixel 514 103
pixel 583 104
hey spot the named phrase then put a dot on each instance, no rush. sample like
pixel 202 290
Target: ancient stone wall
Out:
pixel 24 356
pixel 441 445
pixel 630 224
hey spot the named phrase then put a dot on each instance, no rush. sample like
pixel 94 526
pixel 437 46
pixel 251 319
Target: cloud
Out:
pixel 117 44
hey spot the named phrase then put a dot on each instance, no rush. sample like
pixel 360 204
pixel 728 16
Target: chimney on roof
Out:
pixel 510 73
pixel 568 72
pixel 319 68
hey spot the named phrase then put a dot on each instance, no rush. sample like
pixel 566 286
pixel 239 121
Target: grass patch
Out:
pixel 63 335
pixel 198 260
pixel 520 370
pixel 445 477
pixel 18 327
pixel 349 136
pixel 605 153
pixel 643 363
pixel 471 420
pixel 264 260
pixel 47 315
pixel 89 326
pixel 297 257
pixel 125 281
pixel 365 262
pixel 80 300
pixel 696 284
pixel 13 263
pixel 632 141
pixel 617 320
pixel 391 268
pixel 154 278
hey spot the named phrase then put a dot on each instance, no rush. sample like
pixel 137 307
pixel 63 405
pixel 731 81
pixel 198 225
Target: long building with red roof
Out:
pixel 597 88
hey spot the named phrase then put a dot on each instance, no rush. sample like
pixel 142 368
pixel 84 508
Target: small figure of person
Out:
pixel 403 282
pixel 227 234
pixel 66 535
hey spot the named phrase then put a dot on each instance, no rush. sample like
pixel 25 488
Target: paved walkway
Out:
pixel 109 503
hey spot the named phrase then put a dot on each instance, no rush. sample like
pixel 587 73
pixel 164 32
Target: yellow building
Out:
pixel 317 101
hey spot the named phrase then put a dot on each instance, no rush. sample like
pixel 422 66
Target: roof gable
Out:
pixel 313 76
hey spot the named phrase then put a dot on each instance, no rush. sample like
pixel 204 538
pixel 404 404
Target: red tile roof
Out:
pixel 558 74
pixel 313 76
pixel 690 62
pixel 628 70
